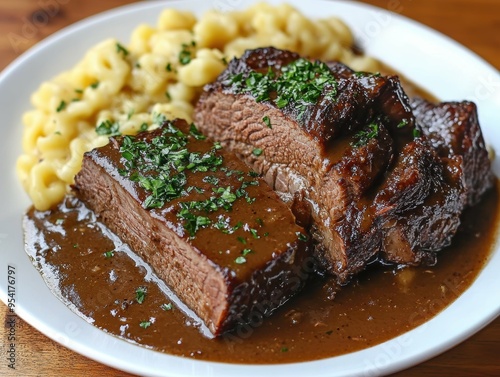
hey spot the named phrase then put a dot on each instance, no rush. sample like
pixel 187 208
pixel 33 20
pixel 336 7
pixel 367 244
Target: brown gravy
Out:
pixel 69 248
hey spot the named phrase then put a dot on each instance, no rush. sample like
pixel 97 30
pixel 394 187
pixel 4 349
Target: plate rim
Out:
pixel 206 366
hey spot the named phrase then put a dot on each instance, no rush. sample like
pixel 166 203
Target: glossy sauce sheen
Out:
pixel 67 246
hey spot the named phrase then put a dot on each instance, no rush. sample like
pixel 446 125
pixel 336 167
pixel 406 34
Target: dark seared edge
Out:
pixel 201 269
pixel 418 207
pixel 342 188
pixel 315 155
pixel 453 130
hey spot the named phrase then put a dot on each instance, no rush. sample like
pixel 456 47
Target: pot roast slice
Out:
pixel 350 162
pixel 433 181
pixel 323 155
pixel 453 130
pixel 218 236
pixel 418 206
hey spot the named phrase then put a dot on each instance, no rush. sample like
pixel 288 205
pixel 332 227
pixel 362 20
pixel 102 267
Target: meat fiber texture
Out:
pixel 246 258
pixel 358 164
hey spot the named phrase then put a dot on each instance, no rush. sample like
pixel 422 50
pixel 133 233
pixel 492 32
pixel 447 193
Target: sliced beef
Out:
pixel 328 152
pixel 434 180
pixel 347 161
pixel 213 231
pixel 453 129
pixel 418 206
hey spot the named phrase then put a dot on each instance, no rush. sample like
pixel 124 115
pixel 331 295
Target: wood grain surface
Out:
pixel 474 23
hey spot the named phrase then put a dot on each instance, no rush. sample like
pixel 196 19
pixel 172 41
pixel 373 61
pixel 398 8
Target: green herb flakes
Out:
pixel 267 121
pixel 121 50
pixel 194 132
pixel 299 83
pixel 257 152
pixel 61 107
pixel 109 254
pixel 245 252
pixel 302 237
pixel 240 260
pixel 167 307
pixel 140 294
pixel 403 123
pixel 161 167
pixel 145 324
pixel 185 55
pixel 108 128
pixel 364 136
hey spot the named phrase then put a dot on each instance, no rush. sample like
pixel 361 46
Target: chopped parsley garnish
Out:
pixel 403 123
pixel 300 83
pixel 360 74
pixel 192 222
pixel 145 324
pixel 59 221
pixel 267 121
pixel 254 233
pixel 257 152
pixel 140 294
pixel 193 131
pixel 242 240
pixel 94 85
pixel 167 307
pixel 240 260
pixel 245 252
pixel 364 136
pixel 108 128
pixel 109 254
pixel 159 118
pixel 185 54
pixel 302 237
pixel 143 127
pixel 79 91
pixel 61 107
pixel 168 67
pixel 416 133
pixel 161 166
pixel 121 49
pixel 211 179
pixel 284 349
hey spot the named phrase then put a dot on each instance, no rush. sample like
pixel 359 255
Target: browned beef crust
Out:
pixel 354 195
pixel 205 269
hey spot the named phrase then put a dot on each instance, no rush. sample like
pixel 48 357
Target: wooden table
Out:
pixel 474 23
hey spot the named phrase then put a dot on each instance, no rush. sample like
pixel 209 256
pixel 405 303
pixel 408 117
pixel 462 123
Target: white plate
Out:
pixel 440 65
